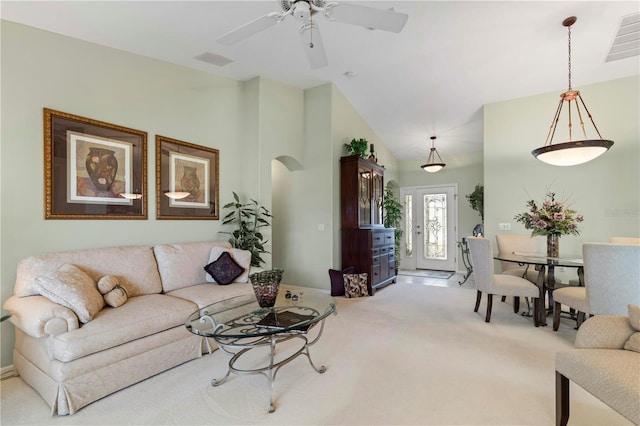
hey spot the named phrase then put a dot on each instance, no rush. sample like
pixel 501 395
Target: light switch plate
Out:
pixel 504 226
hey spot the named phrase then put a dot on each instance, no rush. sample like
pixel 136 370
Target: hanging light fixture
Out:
pixel 431 165
pixel 572 152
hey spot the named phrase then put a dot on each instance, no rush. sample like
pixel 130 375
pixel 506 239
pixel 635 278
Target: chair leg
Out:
pixel 581 318
pixel 562 400
pixel 556 315
pixel 534 302
pixel 503 298
pixel 516 304
pixel 478 297
pixel 489 305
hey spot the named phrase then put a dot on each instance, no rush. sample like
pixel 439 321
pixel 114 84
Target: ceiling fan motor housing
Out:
pixel 302 9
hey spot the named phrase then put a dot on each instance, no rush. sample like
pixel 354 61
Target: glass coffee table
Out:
pixel 239 325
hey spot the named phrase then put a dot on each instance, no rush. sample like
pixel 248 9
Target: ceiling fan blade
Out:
pixel 365 16
pixel 250 28
pixel 312 44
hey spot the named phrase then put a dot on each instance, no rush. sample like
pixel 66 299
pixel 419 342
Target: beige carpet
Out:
pixel 412 354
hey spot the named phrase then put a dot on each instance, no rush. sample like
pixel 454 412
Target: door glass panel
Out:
pixel 408 225
pixel 435 226
pixel 365 197
pixel 378 192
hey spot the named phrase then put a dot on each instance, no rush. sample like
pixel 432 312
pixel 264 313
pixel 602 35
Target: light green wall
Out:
pixel 41 69
pixel 251 123
pixel 606 190
pixel 465 170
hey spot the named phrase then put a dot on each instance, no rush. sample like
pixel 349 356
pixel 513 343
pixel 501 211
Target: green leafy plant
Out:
pixel 393 210
pixel 357 147
pixel 476 200
pixel 248 219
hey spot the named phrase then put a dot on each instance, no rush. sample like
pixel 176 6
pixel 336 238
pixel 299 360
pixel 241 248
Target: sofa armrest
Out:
pixel 604 332
pixel 40 317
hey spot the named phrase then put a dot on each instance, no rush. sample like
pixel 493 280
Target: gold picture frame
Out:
pixel 186 180
pixel 93 169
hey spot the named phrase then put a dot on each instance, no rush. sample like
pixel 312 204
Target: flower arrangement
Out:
pixel 552 218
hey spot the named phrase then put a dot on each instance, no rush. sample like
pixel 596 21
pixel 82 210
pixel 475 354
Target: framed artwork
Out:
pixel 186 180
pixel 93 169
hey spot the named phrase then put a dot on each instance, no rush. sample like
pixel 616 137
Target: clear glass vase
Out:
pixel 553 245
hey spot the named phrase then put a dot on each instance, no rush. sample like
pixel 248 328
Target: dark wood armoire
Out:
pixel 366 244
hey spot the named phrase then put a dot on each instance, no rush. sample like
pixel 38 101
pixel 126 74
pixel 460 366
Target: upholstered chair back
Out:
pixel 482 261
pixel 624 240
pixel 611 277
pixel 510 243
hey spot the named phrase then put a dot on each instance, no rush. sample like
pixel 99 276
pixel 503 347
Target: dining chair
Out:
pixel 517 243
pixel 624 240
pixel 611 282
pixel 487 281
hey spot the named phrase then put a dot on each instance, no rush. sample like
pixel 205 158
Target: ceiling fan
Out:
pixel 305 11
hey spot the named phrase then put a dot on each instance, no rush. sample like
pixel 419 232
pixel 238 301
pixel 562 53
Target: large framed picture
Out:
pixel 186 180
pixel 93 169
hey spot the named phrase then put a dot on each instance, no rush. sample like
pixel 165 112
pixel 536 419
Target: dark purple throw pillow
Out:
pixel 224 270
pixel 337 280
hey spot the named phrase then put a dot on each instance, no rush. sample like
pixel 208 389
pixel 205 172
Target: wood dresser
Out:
pixel 366 243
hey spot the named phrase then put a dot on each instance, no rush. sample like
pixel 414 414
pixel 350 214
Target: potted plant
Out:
pixel 476 202
pixel 393 210
pixel 248 219
pixel 357 147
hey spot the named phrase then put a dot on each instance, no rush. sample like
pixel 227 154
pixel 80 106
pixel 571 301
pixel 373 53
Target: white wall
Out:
pixel 606 190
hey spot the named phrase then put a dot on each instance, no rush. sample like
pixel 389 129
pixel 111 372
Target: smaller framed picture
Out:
pixel 93 169
pixel 186 180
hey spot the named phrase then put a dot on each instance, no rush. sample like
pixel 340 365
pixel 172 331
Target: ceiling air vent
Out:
pixel 214 58
pixel 627 41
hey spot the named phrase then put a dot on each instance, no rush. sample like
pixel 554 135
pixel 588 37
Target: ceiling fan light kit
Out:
pixel 432 165
pixel 572 152
pixel 305 10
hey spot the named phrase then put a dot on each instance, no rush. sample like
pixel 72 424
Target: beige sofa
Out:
pixel 605 362
pixel 71 363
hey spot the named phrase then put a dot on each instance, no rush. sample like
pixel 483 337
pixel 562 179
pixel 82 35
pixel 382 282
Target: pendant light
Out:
pixel 572 152
pixel 431 165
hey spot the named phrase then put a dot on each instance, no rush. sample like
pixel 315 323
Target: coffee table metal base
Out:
pixel 269 371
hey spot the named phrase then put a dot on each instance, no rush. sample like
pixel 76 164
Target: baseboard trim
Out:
pixel 7 372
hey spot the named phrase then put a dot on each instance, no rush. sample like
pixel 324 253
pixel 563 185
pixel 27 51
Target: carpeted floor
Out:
pixel 412 354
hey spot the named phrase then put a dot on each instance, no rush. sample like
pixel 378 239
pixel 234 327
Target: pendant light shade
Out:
pixel 433 165
pixel 572 152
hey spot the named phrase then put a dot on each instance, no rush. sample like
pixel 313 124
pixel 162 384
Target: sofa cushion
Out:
pixel 241 257
pixel 71 287
pixel 180 265
pixel 633 344
pixel 224 269
pixel 141 316
pixel 135 267
pixel 206 294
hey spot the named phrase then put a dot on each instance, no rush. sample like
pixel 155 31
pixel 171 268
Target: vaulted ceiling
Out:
pixel 432 78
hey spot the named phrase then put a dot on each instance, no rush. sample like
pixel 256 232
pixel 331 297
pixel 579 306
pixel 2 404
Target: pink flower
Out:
pixel 558 216
pixel 541 224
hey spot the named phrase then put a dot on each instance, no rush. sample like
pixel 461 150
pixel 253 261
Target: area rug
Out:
pixel 427 273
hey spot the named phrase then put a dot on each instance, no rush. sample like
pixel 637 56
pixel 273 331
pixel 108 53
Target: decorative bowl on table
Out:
pixel 265 286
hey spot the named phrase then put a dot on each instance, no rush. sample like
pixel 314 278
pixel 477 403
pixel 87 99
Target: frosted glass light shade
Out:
pixel 572 153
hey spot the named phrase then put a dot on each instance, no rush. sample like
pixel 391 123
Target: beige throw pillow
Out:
pixel 633 344
pixel 107 283
pixel 70 286
pixel 116 297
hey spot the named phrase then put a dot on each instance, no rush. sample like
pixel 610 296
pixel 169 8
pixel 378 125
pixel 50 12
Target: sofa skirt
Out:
pixel 67 396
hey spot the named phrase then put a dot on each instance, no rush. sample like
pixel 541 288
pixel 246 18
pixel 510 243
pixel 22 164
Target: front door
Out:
pixel 435 228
